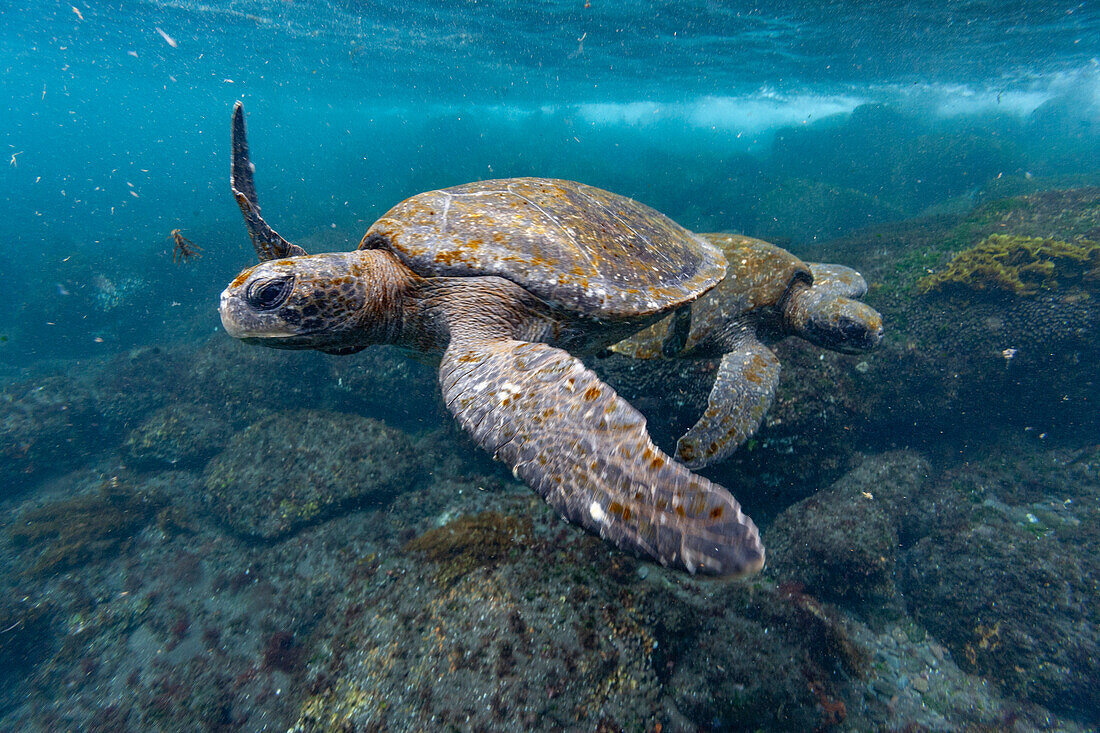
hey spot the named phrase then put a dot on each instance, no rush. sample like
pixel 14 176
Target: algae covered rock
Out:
pixel 472 541
pixel 1008 578
pixel 85 528
pixel 1015 607
pixel 45 425
pixel 748 680
pixel 842 543
pixel 177 435
pixel 294 468
pixel 1019 265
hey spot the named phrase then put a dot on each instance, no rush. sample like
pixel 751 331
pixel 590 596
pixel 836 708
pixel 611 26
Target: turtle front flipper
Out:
pixel 573 440
pixel 838 280
pixel 267 242
pixel 743 390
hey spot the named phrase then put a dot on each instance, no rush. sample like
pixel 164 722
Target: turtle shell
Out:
pixel 758 276
pixel 576 247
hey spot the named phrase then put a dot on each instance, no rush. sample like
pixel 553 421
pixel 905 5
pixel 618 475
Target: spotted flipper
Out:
pixel 743 391
pixel 586 451
pixel 838 280
pixel 267 242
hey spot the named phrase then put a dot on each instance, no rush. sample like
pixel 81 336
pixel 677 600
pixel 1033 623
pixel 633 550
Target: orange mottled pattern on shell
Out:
pixel 574 246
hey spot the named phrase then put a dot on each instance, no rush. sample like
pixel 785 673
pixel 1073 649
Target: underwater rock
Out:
pixel 1009 584
pixel 517 647
pixel 842 543
pixel 46 426
pixel 179 434
pixel 130 385
pixel 366 384
pixel 28 635
pixel 545 628
pixel 298 467
pixel 244 384
pixel 743 678
pixel 1014 607
pixel 992 363
pixel 806 211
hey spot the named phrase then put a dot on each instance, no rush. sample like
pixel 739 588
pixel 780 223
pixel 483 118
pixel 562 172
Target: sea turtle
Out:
pixel 767 295
pixel 504 279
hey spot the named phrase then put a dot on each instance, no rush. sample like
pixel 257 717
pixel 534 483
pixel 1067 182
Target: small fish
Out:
pixel 167 38
pixel 61 289
pixel 78 13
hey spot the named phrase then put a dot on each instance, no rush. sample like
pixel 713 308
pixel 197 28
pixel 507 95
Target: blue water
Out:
pixel 357 104
pixel 116 135
pixel 727 116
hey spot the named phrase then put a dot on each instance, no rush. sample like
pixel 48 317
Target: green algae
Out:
pixel 1023 266
pixel 73 532
pixel 472 541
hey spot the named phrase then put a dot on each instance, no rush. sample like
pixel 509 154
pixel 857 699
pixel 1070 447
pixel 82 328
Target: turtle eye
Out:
pixel 265 295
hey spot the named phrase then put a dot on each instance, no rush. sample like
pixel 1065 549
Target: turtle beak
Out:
pixel 225 309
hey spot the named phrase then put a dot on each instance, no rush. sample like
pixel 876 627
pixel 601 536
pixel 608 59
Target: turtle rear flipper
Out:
pixel 743 390
pixel 267 242
pixel 572 439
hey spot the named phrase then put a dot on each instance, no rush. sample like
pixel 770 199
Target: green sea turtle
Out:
pixel 768 294
pixel 504 279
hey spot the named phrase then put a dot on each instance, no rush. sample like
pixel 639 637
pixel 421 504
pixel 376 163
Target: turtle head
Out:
pixel 338 302
pixel 837 323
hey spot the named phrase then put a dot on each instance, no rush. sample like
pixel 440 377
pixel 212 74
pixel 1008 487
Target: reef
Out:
pixel 66 534
pixel 842 543
pixel 1019 265
pixel 180 434
pixel 294 468
pixel 472 541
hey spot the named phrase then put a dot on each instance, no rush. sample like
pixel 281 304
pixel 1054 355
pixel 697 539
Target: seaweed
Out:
pixel 1020 265
pixel 472 541
pixel 86 528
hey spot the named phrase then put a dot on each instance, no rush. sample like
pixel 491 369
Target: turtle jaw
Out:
pixel 841 324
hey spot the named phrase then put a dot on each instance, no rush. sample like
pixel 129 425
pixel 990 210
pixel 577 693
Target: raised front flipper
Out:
pixel 266 241
pixel 586 451
pixel 743 391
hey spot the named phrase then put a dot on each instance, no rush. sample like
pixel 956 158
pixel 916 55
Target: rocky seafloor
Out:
pixel 217 537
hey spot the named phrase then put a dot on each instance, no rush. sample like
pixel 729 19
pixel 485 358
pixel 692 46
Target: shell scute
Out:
pixel 578 247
